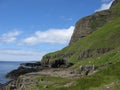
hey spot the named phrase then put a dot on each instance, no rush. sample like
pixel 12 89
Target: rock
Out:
pixel 41 79
pixel 1 86
pixel 72 72
pixel 87 72
pixel 45 86
pixel 12 87
pixel 109 62
pixel 89 24
pixel 92 52
pixel 81 68
pixel 20 71
pixel 31 65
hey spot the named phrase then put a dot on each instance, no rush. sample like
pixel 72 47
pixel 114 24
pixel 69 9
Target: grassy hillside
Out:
pixel 107 77
pixel 107 37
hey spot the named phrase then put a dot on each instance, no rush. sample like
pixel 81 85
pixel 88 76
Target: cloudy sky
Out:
pixel 31 28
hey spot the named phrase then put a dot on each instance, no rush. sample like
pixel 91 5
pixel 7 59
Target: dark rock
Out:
pixel 45 86
pixel 13 87
pixel 114 3
pixel 31 65
pixel 87 72
pixel 72 72
pixel 58 63
pixel 102 65
pixel 41 79
pixel 20 71
pixel 110 63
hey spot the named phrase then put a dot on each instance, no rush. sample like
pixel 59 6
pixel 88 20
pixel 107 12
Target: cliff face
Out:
pixel 89 24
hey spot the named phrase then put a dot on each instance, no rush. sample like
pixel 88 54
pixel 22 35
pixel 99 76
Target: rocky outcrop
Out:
pixel 31 65
pixel 114 3
pixel 58 63
pixel 35 67
pixel 55 62
pixel 20 71
pixel 93 52
pixel 89 24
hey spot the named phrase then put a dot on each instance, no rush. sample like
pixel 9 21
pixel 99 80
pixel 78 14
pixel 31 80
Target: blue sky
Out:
pixel 31 28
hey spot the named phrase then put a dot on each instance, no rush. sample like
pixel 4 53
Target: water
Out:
pixel 5 67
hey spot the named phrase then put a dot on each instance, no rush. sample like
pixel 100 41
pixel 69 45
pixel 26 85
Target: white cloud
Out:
pixel 105 5
pixel 9 37
pixel 20 55
pixel 51 36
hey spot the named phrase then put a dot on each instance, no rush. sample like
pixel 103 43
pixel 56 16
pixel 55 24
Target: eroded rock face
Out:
pixel 58 63
pixel 114 3
pixel 93 52
pixel 89 24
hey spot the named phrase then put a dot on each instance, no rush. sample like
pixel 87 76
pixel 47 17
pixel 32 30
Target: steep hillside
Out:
pixel 89 24
pixel 104 37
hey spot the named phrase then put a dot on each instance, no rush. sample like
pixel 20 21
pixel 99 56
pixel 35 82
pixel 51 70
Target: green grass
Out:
pixel 112 56
pixel 108 76
pixel 53 83
pixel 103 77
pixel 107 37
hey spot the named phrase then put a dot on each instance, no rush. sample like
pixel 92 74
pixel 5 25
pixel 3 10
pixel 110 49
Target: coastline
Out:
pixel 3 86
pixel 11 65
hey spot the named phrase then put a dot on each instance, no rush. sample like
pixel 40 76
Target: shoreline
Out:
pixel 2 86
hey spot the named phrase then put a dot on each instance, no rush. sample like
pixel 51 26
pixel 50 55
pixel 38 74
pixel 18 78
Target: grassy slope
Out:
pixel 108 76
pixel 107 36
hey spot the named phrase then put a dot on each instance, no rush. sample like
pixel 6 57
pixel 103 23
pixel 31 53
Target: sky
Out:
pixel 30 29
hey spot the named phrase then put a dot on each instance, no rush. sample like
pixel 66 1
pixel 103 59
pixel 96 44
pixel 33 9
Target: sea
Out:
pixel 6 67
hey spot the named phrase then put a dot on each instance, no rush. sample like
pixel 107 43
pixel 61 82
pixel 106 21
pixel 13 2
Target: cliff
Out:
pixel 89 24
pixel 91 34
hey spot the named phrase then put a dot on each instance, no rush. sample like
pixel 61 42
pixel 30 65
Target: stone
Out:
pixel 45 86
pixel 87 72
pixel 81 68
